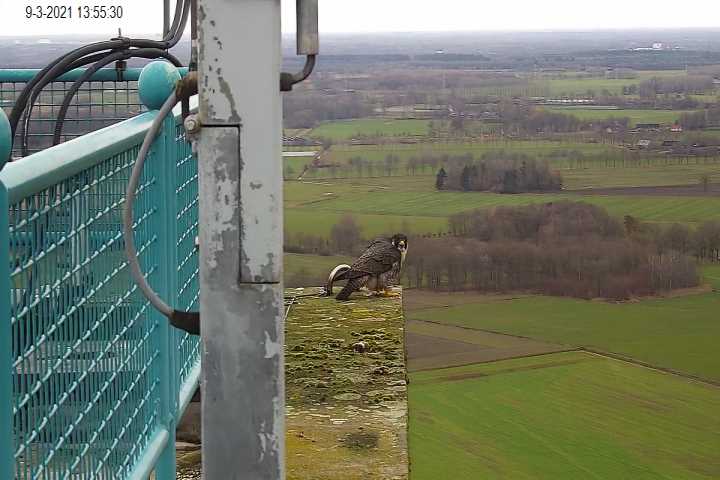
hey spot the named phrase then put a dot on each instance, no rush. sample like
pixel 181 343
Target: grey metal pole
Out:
pixel 241 293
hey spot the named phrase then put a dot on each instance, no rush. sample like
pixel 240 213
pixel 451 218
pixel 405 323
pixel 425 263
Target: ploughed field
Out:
pixel 678 333
pixel 433 345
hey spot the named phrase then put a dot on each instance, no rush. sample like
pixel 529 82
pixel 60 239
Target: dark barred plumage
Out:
pixel 378 267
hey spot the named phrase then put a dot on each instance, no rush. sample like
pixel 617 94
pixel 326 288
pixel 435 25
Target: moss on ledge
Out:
pixel 346 388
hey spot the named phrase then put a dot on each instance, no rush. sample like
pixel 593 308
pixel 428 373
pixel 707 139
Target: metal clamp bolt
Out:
pixel 192 125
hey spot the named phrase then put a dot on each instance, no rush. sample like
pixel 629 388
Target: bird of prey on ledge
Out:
pixel 378 268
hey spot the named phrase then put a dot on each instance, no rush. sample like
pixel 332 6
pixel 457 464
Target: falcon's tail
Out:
pixel 338 273
pixel 351 286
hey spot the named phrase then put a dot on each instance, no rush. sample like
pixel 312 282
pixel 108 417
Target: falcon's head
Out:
pixel 400 242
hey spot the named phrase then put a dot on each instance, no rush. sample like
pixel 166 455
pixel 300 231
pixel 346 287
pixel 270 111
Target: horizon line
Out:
pixel 404 32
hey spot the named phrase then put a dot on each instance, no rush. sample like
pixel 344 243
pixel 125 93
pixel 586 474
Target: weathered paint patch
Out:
pixel 227 91
pixel 221 178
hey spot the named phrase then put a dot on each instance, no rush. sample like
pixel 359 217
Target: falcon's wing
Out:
pixel 377 259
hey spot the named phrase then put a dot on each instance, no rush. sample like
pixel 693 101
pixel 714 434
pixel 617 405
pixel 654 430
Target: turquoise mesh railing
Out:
pixel 97 377
pixel 109 97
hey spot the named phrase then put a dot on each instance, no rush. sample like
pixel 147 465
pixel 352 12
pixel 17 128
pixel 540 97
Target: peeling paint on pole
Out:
pixel 241 297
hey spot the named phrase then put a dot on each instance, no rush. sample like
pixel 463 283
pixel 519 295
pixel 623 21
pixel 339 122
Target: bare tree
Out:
pixel 345 235
pixel 705 182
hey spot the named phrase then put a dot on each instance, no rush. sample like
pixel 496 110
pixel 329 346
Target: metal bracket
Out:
pixel 288 80
pixel 308 43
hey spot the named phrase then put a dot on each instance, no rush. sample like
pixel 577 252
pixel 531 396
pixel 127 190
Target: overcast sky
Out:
pixel 144 16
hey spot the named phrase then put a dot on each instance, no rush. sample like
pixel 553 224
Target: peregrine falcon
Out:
pixel 377 268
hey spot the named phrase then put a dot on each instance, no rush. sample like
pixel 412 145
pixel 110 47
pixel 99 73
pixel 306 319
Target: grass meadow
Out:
pixel 581 164
pixel 531 148
pixel 712 275
pixel 636 116
pixel 348 129
pixel 578 85
pixel 411 204
pixel 677 333
pixel 561 416
pixel 647 176
pixel 320 223
pixel 384 199
pixel 572 84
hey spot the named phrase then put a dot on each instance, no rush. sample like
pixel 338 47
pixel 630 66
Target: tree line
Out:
pixel 498 171
pixel 307 110
pixel 701 119
pixel 687 84
pixel 561 248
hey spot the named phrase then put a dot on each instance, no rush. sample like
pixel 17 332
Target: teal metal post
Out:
pixel 162 168
pixel 7 444
pixel 169 242
pixel 15 75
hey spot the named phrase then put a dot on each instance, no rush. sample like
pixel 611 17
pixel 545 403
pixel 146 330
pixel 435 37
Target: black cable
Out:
pixel 150 53
pixel 75 58
pixel 23 114
pixel 53 72
pixel 193 37
pixel 176 18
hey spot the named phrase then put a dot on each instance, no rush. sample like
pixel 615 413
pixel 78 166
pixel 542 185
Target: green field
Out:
pixel 442 204
pixel 320 223
pixel 410 204
pixel 370 127
pixel 315 267
pixel 712 275
pixel 655 175
pixel 294 166
pixel 635 116
pixel 574 85
pixel 561 416
pixel 532 148
pixel 618 166
pixel 678 333
pixel 303 212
